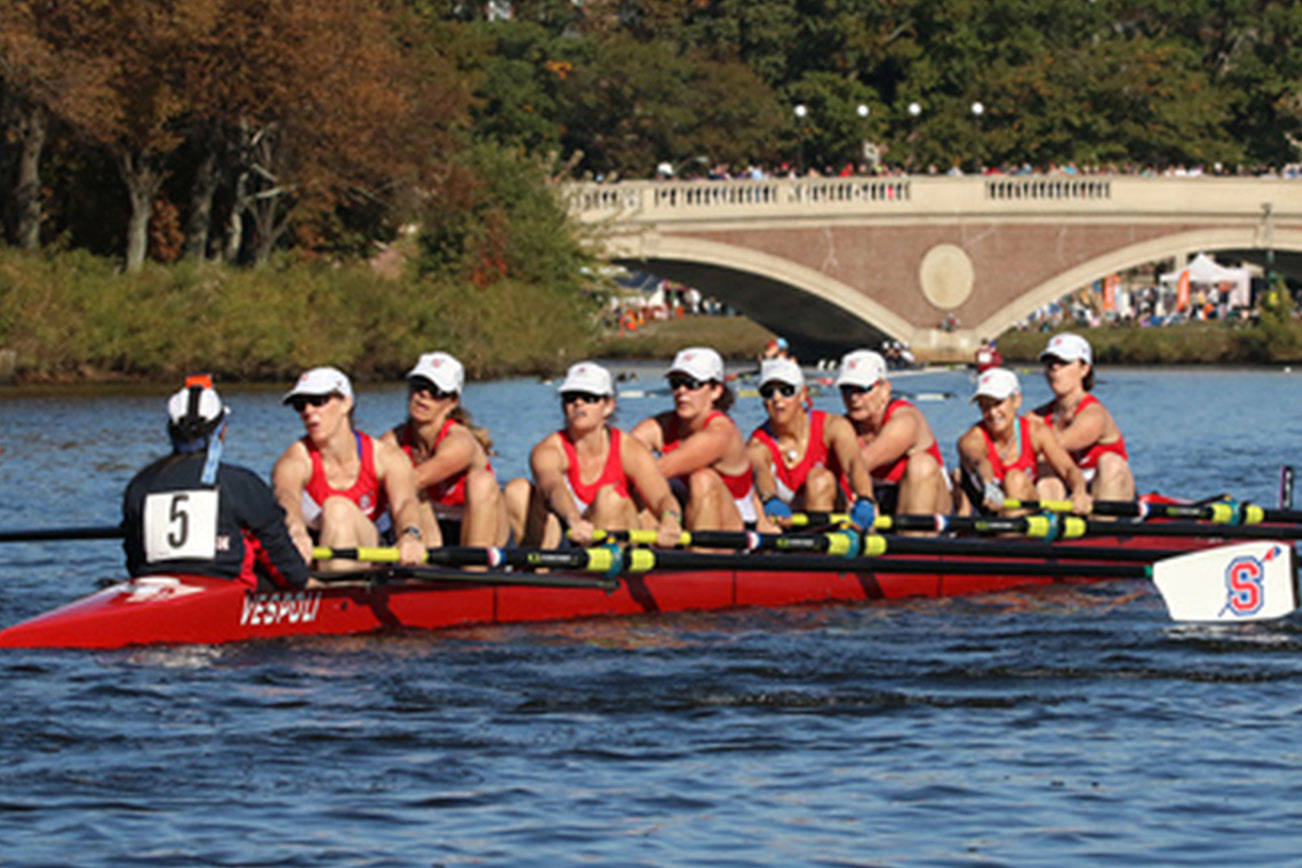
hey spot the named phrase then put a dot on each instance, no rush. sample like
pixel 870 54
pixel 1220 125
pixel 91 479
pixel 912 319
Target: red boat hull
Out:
pixel 196 609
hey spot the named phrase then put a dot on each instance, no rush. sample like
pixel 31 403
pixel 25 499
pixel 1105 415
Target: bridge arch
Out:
pixel 747 279
pixel 1205 240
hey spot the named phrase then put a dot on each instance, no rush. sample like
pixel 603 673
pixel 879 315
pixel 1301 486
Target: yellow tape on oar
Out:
pixel 874 544
pixel 372 554
pixel 639 560
pixel 601 560
pixel 1046 505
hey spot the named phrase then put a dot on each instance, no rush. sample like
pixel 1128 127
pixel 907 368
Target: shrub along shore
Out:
pixel 1273 340
pixel 75 318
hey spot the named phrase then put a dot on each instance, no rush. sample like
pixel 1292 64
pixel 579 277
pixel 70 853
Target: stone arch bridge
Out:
pixel 837 262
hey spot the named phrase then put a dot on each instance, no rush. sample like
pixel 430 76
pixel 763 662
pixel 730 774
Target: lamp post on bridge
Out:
pixel 801 111
pixel 915 111
pixel 978 109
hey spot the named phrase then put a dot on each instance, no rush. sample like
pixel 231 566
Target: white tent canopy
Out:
pixel 1205 270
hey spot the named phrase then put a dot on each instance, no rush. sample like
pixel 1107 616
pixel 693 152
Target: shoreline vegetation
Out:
pixel 73 318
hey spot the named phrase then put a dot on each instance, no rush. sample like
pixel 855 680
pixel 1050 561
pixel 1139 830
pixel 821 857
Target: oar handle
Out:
pixel 599 559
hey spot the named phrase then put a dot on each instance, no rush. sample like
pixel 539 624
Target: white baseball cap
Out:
pixel 440 369
pixel 209 407
pixel 702 363
pixel 1069 348
pixel 320 381
pixel 782 370
pixel 861 368
pixel 588 377
pixel 997 383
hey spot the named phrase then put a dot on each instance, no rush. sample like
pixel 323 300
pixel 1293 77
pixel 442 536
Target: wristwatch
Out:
pixel 411 530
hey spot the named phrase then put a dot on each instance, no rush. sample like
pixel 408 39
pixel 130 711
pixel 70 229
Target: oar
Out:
pixel 1218 511
pixel 599 559
pixel 450 574
pixel 61 533
pixel 843 543
pixel 1052 526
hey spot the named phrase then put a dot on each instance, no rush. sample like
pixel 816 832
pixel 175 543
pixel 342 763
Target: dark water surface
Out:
pixel 1048 727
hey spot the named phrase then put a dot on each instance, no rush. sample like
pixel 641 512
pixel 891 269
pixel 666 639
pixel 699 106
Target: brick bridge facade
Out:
pixel 838 262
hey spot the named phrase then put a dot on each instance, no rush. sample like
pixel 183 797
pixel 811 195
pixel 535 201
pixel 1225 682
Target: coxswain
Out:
pixel 799 453
pixel 1000 454
pixel 191 512
pixel 701 450
pixel 453 476
pixel 893 439
pixel 586 474
pixel 1082 424
pixel 335 482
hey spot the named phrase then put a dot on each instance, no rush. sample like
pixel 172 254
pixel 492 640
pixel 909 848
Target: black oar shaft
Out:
pixel 61 533
pixel 779 563
pixel 449 574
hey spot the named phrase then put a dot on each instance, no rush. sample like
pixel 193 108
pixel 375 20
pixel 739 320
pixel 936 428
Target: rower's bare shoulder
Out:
pixel 389 456
pixel 294 458
pixel 971 441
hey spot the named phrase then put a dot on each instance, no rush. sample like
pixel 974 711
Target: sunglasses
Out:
pixel 850 389
pixel 420 385
pixel 769 390
pixel 299 402
pixel 682 381
pixel 581 397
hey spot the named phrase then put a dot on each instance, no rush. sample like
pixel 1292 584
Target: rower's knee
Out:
pixel 1050 488
pixel 820 488
pixel 921 469
pixel 1018 484
pixel 702 483
pixel 481 486
pixel 1113 479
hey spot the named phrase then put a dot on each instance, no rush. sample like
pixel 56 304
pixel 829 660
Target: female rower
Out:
pixel 1002 451
pixel 701 449
pixel 799 453
pixel 336 481
pixel 585 474
pixel 1082 424
pixel 453 476
pixel 894 440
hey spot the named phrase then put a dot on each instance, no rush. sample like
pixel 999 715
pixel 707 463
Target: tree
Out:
pixel 48 75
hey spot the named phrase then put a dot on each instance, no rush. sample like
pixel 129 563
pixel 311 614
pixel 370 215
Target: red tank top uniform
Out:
pixel 891 474
pixel 789 479
pixel 365 492
pixel 446 492
pixel 1088 458
pixel 739 485
pixel 1025 451
pixel 612 474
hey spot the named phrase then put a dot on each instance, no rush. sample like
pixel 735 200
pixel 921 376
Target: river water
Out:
pixel 1042 727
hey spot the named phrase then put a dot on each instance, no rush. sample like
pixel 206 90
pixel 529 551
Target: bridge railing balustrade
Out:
pixel 1048 188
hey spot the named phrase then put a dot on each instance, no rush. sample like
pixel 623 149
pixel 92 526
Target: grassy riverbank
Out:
pixel 1272 341
pixel 736 338
pixel 72 316
pixel 75 318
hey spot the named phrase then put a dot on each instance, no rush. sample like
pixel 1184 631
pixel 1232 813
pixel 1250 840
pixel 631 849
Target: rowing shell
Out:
pixel 204 610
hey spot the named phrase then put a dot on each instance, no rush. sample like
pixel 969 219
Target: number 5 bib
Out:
pixel 181 525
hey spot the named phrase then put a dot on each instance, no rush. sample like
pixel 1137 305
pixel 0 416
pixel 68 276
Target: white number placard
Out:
pixel 181 525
